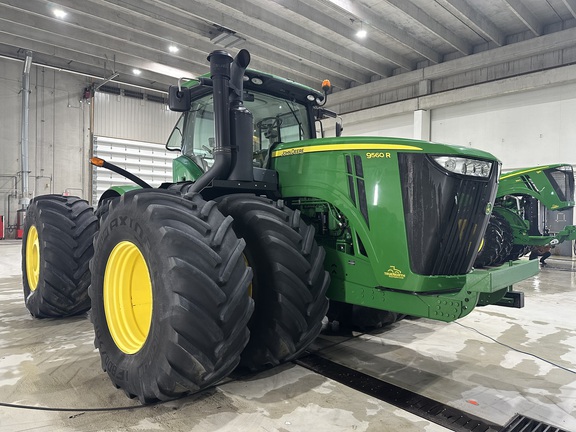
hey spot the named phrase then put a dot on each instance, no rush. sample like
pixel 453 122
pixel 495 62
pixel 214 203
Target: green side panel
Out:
pixel 568 233
pixel 317 169
pixel 116 191
pixel 535 183
pixel 121 190
pixel 183 169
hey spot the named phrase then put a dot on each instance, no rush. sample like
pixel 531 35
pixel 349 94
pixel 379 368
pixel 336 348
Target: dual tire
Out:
pixel 170 302
pixel 173 288
pixel 289 284
pixel 56 250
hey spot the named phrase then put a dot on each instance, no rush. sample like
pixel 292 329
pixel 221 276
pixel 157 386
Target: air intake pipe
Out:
pixel 241 121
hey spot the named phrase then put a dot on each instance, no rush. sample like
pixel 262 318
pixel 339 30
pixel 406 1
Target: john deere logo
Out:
pixel 394 273
pixel 488 208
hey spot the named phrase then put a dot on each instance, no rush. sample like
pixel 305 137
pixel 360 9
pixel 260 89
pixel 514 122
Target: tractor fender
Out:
pixel 116 191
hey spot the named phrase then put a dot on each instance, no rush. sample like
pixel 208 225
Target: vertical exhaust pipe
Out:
pixel 24 159
pixel 230 130
pixel 220 74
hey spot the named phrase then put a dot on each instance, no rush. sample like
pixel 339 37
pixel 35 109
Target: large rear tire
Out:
pixel 289 284
pixel 56 251
pixel 170 302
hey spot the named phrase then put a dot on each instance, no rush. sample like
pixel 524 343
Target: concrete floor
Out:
pixel 474 364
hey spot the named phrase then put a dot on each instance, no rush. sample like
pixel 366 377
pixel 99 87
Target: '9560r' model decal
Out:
pixel 374 149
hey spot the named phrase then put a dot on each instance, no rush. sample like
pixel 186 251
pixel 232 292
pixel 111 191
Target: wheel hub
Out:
pixel 128 297
pixel 32 258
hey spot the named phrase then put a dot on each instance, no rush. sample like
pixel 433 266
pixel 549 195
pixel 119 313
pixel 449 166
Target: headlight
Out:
pixel 470 167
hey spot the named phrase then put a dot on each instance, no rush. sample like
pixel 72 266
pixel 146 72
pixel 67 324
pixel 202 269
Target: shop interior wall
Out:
pixel 59 132
pixel 522 129
pixel 58 135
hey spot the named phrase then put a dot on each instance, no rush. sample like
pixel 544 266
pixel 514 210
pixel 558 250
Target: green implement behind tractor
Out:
pixel 516 226
pixel 234 262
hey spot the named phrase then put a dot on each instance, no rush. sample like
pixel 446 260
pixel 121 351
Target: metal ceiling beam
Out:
pixel 265 42
pixel 524 14
pixel 433 26
pixel 368 17
pixel 40 29
pixel 276 27
pixel 141 31
pixel 474 19
pixel 92 34
pixel 77 61
pixel 192 36
pixel 320 18
pixel 509 53
pixel 571 5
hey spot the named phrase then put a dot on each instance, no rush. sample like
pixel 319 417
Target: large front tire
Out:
pixel 170 302
pixel 289 284
pixel 491 244
pixel 56 251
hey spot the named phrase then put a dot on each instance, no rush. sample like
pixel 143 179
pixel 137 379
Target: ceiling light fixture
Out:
pixel 59 13
pixel 136 71
pixel 361 33
pixel 173 49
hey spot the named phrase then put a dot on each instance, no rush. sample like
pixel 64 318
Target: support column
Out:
pixel 25 171
pixel 422 125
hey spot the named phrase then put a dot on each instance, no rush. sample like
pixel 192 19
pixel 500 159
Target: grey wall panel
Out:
pixel 134 119
pixel 58 134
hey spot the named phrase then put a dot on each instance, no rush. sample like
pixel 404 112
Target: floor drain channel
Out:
pixel 429 409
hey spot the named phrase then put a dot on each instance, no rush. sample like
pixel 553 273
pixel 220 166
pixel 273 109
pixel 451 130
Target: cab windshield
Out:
pixel 276 120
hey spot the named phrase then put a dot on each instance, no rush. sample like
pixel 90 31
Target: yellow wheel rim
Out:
pixel 128 297
pixel 32 258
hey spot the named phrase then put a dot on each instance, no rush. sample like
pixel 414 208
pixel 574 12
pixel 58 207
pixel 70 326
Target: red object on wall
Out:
pixel 1 227
pixel 20 217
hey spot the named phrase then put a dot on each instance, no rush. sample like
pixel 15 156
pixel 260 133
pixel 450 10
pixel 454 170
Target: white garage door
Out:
pixel 151 162
pixel 130 130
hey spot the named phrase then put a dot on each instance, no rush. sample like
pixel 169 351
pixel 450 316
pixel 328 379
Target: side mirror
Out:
pixel 179 99
pixel 339 129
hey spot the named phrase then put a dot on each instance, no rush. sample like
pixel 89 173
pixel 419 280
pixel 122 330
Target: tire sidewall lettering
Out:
pixel 117 227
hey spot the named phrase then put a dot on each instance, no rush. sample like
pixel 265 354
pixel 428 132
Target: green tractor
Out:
pixel 515 226
pixel 233 263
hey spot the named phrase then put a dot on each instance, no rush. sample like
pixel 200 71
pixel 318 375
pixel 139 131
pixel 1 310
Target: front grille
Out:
pixel 563 183
pixel 445 215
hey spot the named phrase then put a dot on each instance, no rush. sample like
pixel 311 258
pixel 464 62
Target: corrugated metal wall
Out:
pixel 119 116
pixel 131 133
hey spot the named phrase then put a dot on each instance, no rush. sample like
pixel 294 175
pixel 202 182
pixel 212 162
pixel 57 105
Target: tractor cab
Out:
pixel 283 112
